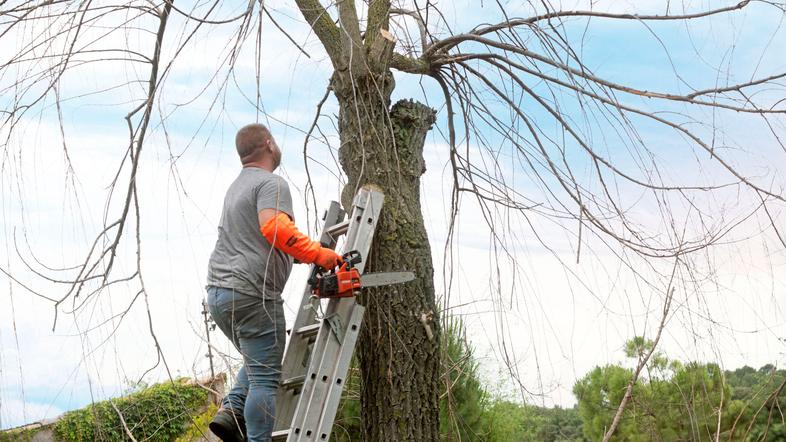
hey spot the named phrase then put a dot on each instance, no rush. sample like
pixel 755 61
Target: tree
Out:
pixel 398 347
pixel 757 401
pixel 684 401
pixel 462 395
pixel 464 409
pixel 519 83
pixel 598 392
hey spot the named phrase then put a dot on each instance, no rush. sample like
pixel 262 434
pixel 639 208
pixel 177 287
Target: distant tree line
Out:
pixel 685 401
pixel 672 401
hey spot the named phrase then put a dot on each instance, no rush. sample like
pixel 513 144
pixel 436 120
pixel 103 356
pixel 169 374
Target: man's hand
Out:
pixel 328 259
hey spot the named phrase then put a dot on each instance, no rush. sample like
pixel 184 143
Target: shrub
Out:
pixel 158 413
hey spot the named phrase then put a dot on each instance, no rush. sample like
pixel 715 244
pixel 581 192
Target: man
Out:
pixel 248 268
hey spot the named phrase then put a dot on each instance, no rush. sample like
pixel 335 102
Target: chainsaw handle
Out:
pixel 348 261
pixel 352 258
pixel 313 278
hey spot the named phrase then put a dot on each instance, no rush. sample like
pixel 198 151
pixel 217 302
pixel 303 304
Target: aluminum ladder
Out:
pixel 317 357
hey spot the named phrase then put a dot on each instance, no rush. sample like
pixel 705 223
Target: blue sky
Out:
pixel 556 319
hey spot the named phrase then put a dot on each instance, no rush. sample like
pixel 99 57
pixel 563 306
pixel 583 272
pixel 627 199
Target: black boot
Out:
pixel 228 426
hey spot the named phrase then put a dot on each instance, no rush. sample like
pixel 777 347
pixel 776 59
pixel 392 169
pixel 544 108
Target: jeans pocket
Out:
pixel 238 315
pixel 261 335
pixel 262 318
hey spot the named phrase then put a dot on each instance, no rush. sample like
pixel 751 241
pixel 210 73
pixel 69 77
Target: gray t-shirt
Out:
pixel 243 259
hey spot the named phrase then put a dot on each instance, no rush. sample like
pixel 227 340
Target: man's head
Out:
pixel 256 146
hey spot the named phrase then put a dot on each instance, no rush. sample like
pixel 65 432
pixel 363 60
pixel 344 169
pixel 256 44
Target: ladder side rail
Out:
pixel 296 352
pixel 318 377
pixel 354 312
pixel 365 214
pixel 333 363
pixel 333 399
pixel 364 219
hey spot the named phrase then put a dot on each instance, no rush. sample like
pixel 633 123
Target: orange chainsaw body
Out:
pixel 344 283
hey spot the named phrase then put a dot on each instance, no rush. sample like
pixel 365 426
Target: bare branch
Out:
pixel 420 22
pixel 205 21
pixel 642 362
pixel 351 44
pixel 122 421
pixel 286 34
pixel 324 28
pixel 583 73
pixel 452 41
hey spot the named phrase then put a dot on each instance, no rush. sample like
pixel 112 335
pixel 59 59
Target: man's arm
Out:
pixel 265 215
pixel 280 231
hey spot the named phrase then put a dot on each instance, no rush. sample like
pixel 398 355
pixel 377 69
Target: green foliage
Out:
pixel 598 394
pixel 510 421
pixel 674 402
pixel 462 395
pixel 562 425
pixel 757 405
pixel 158 413
pixel 774 432
pixel 671 401
pixel 683 401
pixel 18 435
pixel 638 347
pixel 506 421
pixel 470 413
pixel 199 428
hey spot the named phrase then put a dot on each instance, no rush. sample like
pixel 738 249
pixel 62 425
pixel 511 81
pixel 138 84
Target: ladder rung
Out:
pixel 280 435
pixel 293 382
pixel 309 330
pixel 338 229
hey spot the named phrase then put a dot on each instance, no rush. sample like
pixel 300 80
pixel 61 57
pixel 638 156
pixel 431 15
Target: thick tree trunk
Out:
pixel 398 348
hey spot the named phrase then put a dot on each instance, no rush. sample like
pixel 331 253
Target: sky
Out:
pixel 540 315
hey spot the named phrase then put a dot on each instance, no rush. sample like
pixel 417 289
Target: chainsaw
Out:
pixel 346 281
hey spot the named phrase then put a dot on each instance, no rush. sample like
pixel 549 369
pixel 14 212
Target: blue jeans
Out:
pixel 257 329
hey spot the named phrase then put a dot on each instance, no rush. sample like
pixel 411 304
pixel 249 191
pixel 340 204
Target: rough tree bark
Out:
pixel 399 353
pixel 383 146
pixel 398 349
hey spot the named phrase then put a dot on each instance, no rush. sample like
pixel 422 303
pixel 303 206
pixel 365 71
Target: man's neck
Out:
pixel 264 165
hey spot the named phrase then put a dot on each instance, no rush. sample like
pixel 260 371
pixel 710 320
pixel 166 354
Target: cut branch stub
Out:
pixel 381 51
pixel 378 19
pixel 411 122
